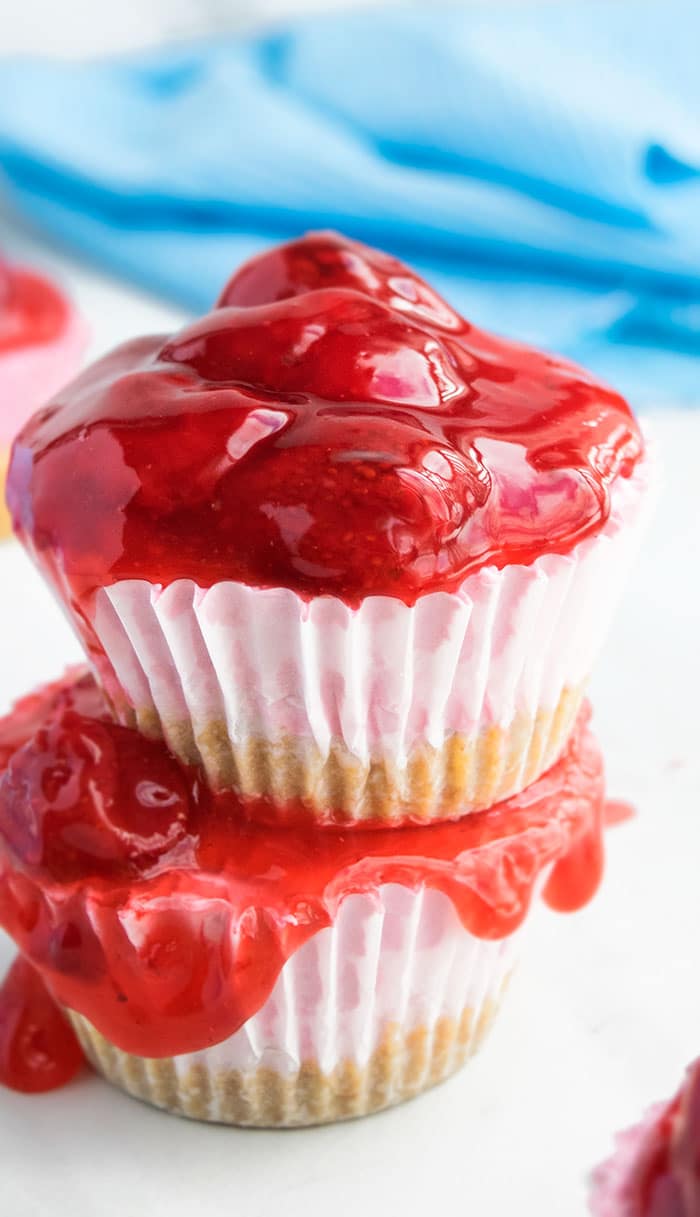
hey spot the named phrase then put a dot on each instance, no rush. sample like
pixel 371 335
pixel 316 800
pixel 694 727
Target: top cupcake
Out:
pixel 332 427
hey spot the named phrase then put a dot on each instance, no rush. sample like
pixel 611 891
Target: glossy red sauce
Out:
pixel 158 910
pixel 32 310
pixel 333 427
pixel 618 811
pixel 38 1050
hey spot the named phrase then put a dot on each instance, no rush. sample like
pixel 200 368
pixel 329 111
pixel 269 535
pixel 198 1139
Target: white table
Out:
pixel 602 1018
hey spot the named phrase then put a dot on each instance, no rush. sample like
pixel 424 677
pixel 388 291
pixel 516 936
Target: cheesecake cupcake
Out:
pixel 257 975
pixel 655 1171
pixel 348 553
pixel 41 342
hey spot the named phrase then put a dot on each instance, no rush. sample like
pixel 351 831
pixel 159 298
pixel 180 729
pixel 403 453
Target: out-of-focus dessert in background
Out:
pixel 42 340
pixel 655 1170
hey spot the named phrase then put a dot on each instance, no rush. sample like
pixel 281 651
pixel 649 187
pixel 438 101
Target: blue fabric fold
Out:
pixel 539 163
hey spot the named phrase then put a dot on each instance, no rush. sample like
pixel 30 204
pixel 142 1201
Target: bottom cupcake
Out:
pixel 274 977
pixel 389 1000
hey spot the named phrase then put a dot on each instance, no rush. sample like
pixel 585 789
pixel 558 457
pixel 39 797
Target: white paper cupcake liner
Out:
pixel 381 712
pixel 388 1001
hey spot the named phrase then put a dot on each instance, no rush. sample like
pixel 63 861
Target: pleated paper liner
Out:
pixel 390 1000
pixel 385 712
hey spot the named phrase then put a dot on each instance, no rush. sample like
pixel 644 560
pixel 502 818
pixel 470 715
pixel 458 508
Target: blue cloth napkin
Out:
pixel 540 163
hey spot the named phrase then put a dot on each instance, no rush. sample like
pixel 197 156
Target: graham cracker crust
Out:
pixel 5 522
pixel 469 773
pixel 402 1066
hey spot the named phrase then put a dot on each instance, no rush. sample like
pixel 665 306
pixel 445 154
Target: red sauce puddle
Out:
pixel 160 912
pixel 618 811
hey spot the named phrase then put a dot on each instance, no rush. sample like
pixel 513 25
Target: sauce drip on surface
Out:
pixel 332 427
pixel 618 811
pixel 163 914
pixel 38 1050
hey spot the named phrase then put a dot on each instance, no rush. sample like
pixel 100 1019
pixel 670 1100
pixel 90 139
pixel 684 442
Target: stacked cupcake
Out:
pixel 341 564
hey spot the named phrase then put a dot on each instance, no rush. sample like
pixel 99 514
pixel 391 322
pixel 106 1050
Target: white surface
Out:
pixel 602 1018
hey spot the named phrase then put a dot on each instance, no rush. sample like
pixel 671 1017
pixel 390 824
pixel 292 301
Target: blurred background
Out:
pixel 84 27
pixel 538 159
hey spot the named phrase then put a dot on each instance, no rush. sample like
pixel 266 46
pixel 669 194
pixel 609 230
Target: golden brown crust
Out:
pixel 465 775
pixel 403 1065
pixel 5 522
